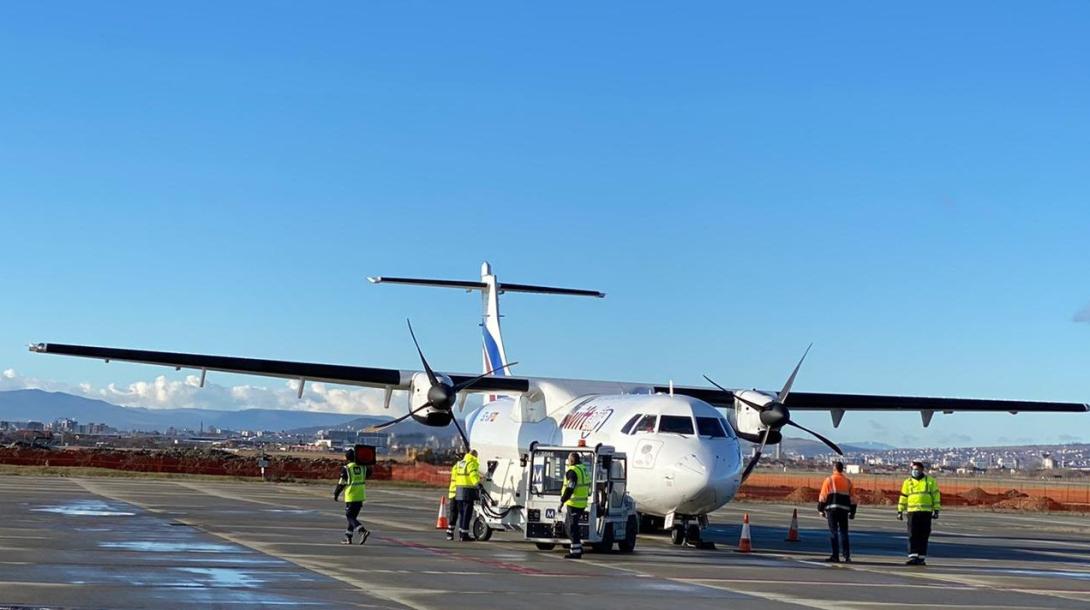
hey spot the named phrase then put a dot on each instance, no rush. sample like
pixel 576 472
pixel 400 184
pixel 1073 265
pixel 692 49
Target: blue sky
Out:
pixel 905 186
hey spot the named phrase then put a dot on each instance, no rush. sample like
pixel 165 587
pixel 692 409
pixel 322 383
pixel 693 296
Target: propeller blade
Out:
pixel 717 385
pixel 465 439
pixel 394 422
pixel 427 369
pixel 466 384
pixel 737 395
pixel 791 380
pixel 821 438
pixel 757 456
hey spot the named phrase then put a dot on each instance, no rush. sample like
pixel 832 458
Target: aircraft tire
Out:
pixel 544 546
pixel 677 535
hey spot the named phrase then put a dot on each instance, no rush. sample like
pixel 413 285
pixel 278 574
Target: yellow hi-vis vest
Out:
pixel 919 495
pixel 355 490
pixel 581 492
pixel 466 473
pixel 453 484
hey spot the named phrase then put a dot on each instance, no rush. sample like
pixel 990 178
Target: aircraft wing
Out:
pixel 400 379
pixel 839 404
pixel 396 379
pixel 824 401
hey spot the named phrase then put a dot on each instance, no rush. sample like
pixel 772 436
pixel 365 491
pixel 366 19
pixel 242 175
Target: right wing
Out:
pixel 395 379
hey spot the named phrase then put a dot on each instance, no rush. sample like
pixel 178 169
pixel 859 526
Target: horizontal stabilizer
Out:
pixel 471 285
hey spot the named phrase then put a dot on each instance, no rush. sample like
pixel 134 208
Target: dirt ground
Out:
pixel 1022 495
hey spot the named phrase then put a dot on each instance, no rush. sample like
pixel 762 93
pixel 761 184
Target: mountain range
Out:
pixel 45 407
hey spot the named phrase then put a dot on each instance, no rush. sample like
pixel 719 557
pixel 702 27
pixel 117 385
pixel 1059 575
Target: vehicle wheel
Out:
pixel 606 545
pixel 677 535
pixel 481 531
pixel 630 530
pixel 544 546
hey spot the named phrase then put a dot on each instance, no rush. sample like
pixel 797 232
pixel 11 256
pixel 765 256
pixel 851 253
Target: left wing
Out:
pixel 824 401
pixel 394 379
pixel 839 404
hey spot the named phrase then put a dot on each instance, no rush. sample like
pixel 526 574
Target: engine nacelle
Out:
pixel 418 397
pixel 747 420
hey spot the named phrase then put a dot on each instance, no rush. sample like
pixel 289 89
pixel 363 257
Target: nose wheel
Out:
pixel 690 534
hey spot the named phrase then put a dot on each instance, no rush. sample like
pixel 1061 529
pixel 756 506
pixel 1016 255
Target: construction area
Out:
pixel 1020 494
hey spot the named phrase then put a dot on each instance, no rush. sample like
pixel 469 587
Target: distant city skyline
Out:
pixel 907 192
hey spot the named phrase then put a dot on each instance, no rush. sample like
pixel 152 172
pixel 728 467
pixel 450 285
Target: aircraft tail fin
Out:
pixel 494 356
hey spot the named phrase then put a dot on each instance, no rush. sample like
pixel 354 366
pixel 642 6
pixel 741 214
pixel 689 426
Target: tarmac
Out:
pixel 138 543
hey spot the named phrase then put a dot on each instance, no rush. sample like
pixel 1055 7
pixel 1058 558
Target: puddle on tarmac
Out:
pixel 1049 573
pixel 668 586
pixel 86 508
pixel 173 547
pixel 224 577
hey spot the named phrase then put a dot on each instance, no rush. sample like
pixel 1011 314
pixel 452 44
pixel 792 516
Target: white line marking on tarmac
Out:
pixel 820 583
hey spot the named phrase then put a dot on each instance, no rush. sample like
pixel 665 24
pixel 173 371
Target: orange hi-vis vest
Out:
pixel 836 492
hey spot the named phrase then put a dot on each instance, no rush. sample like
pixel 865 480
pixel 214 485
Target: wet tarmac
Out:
pixel 135 543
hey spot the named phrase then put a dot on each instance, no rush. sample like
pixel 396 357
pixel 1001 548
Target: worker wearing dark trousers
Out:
pixel 467 478
pixel 836 505
pixel 574 499
pixel 453 509
pixel 920 498
pixel 353 484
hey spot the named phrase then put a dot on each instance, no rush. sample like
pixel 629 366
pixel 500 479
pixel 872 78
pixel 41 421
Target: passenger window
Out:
pixel 647 424
pixel 628 426
pixel 676 424
pixel 710 426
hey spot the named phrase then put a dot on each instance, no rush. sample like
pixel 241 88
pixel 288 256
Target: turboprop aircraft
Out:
pixel 685 457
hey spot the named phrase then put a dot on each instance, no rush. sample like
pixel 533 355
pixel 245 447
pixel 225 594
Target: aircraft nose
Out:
pixel 704 480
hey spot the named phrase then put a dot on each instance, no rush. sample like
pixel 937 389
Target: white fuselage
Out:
pixel 668 472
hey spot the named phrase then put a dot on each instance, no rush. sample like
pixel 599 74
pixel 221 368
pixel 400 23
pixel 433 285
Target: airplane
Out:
pixel 684 443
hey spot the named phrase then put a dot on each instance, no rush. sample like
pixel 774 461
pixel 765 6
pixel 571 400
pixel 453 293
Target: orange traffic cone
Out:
pixel 744 544
pixel 441 523
pixel 793 531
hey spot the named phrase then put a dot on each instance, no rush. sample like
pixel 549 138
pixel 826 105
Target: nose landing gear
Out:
pixel 690 532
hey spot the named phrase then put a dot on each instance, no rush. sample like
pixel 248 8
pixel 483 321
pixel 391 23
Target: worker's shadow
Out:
pixel 814 543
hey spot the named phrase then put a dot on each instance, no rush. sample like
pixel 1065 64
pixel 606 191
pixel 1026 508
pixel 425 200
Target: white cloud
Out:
pixel 162 393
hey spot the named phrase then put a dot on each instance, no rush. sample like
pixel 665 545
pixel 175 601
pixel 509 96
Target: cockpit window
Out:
pixel 647 424
pixel 628 426
pixel 677 424
pixel 710 426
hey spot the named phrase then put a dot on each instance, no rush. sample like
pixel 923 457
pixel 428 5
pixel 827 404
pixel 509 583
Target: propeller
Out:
pixel 774 415
pixel 441 395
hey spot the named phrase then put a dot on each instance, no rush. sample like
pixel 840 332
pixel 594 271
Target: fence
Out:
pixel 1003 492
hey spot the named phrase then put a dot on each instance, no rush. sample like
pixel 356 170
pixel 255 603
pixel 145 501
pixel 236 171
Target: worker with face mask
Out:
pixel 921 500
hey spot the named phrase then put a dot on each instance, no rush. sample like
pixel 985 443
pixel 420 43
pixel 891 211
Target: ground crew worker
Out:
pixel 452 505
pixel 836 505
pixel 352 483
pixel 920 498
pixel 467 476
pixel 574 498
